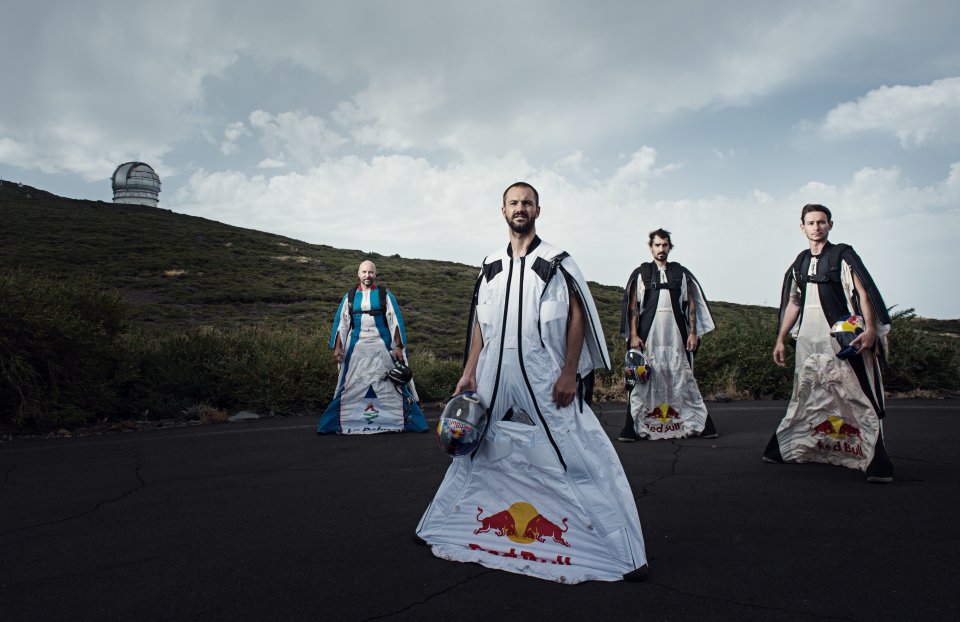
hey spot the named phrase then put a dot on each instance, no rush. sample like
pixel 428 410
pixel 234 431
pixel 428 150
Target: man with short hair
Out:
pixel 664 315
pixel 833 309
pixel 369 345
pixel 544 493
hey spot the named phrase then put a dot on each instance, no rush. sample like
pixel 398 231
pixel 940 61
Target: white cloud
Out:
pixel 296 135
pixel 916 115
pixel 234 132
pixel 739 247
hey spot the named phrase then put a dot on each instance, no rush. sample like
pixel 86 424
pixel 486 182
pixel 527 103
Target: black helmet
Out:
pixel 636 368
pixel 400 373
pixel 462 424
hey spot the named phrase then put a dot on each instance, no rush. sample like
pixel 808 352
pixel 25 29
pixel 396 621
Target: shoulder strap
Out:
pixel 646 272
pixel 351 300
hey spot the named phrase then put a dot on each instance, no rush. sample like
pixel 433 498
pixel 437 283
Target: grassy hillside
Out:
pixel 178 270
pixel 120 310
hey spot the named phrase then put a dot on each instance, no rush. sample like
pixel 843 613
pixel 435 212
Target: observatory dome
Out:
pixel 137 183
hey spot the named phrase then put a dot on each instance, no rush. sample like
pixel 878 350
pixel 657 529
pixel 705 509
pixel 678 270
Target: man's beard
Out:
pixel 524 227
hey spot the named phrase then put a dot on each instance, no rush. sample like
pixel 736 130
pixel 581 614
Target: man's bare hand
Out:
pixel 779 354
pixel 564 390
pixel 466 383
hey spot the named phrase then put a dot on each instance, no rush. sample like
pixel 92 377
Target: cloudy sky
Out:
pixel 394 126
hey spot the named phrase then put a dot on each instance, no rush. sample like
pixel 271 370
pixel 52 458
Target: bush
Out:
pixel 60 360
pixel 919 359
pixel 435 377
pixel 736 359
pixel 269 370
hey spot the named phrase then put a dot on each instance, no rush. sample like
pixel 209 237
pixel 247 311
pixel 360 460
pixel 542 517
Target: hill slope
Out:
pixel 179 270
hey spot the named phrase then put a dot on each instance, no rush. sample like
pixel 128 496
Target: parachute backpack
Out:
pixel 462 424
pixel 845 331
pixel 636 369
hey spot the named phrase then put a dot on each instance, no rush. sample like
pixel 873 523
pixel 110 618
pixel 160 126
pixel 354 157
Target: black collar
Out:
pixel 530 249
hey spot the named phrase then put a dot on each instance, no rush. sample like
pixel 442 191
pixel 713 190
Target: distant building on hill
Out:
pixel 137 183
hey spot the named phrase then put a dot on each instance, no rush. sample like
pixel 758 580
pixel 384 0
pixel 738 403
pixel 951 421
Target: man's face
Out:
pixel 520 209
pixel 659 248
pixel 816 226
pixel 367 273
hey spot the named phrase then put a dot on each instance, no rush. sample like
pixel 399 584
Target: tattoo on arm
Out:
pixel 795 294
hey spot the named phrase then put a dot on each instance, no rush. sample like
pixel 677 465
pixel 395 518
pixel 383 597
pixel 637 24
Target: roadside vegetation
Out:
pixel 112 313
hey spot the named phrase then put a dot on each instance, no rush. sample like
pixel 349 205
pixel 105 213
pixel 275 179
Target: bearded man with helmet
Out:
pixel 831 306
pixel 664 315
pixel 543 492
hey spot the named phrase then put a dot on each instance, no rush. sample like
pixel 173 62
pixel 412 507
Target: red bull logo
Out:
pixel 664 413
pixel 835 427
pixel 523 524
pixel 837 435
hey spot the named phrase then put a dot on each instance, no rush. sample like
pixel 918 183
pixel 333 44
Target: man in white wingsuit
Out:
pixel 544 494
pixel 665 314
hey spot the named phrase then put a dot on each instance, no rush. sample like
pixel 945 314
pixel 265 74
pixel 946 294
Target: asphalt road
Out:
pixel 264 520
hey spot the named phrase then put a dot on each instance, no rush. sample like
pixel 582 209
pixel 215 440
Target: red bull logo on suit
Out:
pixel 523 524
pixel 663 418
pixel 834 434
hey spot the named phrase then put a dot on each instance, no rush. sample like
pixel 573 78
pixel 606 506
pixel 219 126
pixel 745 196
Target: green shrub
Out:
pixel 736 359
pixel 60 363
pixel 269 370
pixel 435 377
pixel 919 359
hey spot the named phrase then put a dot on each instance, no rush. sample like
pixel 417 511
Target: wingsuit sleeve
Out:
pixel 786 291
pixel 341 323
pixel 693 291
pixel 594 354
pixel 629 294
pixel 880 312
pixel 395 321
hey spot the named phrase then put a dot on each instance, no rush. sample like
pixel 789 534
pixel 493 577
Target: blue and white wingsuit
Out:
pixel 366 400
pixel 545 493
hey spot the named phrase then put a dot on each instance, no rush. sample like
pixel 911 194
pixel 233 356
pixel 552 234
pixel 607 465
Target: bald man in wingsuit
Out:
pixel 368 341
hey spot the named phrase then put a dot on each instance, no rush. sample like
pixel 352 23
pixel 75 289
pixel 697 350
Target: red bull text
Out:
pixel 663 418
pixel 833 434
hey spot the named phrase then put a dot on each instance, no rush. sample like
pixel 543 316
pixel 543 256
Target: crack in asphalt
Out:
pixel 922 461
pixel 141 483
pixel 739 603
pixel 645 488
pixel 429 597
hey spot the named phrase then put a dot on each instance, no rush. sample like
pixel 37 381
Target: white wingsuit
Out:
pixel 669 404
pixel 544 494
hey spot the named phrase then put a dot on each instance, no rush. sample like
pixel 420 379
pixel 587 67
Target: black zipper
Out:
pixel 523 369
